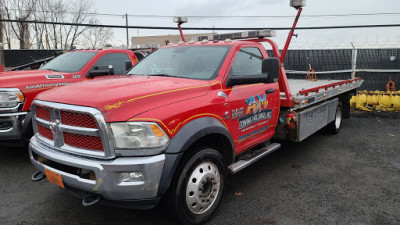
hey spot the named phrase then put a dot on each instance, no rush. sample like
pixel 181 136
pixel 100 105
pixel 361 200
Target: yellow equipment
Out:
pixel 376 100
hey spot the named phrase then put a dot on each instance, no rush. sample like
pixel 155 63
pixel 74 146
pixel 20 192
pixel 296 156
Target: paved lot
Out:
pixel 349 178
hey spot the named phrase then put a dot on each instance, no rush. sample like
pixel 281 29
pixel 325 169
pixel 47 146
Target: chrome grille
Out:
pixel 74 129
pixel 78 119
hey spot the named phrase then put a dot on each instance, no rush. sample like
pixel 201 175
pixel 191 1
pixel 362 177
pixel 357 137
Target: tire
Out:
pixel 198 187
pixel 334 126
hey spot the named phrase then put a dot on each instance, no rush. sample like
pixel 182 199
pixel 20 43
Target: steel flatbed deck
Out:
pixel 308 92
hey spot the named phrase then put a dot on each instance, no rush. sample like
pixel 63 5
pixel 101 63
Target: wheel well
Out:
pixel 345 100
pixel 217 141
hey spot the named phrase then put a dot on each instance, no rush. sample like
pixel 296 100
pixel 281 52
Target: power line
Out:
pixel 224 17
pixel 200 28
pixel 277 16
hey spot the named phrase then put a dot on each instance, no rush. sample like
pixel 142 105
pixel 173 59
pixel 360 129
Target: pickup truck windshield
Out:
pixel 70 62
pixel 193 62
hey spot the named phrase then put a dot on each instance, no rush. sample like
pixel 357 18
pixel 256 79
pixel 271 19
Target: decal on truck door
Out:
pixel 256 111
pixel 252 134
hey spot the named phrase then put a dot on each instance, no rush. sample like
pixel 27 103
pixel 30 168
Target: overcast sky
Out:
pixel 370 37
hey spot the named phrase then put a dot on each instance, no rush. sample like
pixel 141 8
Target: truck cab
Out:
pixel 129 142
pixel 19 88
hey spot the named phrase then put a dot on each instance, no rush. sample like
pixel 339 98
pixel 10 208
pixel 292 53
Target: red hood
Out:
pixel 123 97
pixel 23 78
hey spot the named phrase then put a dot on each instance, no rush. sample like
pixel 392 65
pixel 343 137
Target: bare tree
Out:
pixel 47 35
pixel 76 12
pixel 81 15
pixel 97 37
pixel 7 34
pixel 20 10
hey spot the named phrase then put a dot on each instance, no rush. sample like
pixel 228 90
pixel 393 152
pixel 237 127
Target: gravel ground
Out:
pixel 349 178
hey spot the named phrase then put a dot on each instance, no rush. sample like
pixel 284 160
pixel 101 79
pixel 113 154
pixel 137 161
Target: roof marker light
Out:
pixel 191 42
pixel 228 40
pixel 181 42
pixel 239 35
pixel 204 41
pixel 170 43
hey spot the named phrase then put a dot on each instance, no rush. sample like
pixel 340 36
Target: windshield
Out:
pixel 194 62
pixel 70 62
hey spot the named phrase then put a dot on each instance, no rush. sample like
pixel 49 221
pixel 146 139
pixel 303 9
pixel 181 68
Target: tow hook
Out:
pixel 90 200
pixel 38 176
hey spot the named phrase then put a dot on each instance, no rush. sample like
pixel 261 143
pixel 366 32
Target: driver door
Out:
pixel 254 108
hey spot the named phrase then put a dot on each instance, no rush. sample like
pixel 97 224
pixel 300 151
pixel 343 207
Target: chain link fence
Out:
pixel 373 65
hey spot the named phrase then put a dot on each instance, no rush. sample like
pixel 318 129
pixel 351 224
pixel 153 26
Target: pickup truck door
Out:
pixel 116 60
pixel 253 108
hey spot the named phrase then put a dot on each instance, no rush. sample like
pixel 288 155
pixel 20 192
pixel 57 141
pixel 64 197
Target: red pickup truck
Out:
pixel 19 88
pixel 178 122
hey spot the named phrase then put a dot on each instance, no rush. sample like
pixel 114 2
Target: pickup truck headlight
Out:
pixel 138 135
pixel 10 97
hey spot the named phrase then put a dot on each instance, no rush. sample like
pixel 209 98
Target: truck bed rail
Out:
pixel 307 92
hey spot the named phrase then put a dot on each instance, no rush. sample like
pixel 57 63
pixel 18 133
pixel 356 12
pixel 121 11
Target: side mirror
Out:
pixel 101 71
pixel 269 74
pixel 247 79
pixel 271 66
pixel 128 65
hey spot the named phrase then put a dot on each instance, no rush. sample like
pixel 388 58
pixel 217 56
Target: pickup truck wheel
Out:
pixel 334 126
pixel 198 192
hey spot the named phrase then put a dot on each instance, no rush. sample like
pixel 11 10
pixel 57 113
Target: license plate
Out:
pixel 54 177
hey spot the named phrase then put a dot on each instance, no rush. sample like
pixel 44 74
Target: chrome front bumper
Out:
pixel 13 125
pixel 107 181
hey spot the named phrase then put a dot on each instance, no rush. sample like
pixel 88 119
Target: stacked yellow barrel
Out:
pixel 376 100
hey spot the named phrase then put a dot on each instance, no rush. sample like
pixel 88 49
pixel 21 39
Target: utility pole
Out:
pixel 127 31
pixel 353 61
pixel 1 41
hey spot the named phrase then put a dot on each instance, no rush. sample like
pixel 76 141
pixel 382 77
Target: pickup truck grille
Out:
pixel 73 129
pixel 78 120
pixel 45 132
pixel 43 113
pixel 83 141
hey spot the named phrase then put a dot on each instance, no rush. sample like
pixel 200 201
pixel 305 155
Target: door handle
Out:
pixel 269 91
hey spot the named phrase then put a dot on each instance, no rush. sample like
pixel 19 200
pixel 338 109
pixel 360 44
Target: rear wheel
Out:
pixel 198 188
pixel 334 126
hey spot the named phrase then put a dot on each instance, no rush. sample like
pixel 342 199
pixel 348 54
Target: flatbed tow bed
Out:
pixel 308 92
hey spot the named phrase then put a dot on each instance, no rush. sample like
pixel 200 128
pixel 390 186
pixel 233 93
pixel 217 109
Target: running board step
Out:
pixel 241 164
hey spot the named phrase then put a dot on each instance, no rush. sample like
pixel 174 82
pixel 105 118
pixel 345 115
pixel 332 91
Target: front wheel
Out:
pixel 199 188
pixel 335 125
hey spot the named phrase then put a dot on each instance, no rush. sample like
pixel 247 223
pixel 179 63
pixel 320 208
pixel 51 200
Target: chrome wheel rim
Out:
pixel 203 187
pixel 338 118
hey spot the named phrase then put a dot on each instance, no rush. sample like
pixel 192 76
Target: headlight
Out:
pixel 138 135
pixel 10 97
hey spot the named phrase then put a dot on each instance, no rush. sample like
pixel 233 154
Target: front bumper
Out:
pixel 11 125
pixel 107 182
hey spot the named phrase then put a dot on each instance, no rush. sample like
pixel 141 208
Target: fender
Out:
pixel 185 137
pixel 195 130
pixel 27 126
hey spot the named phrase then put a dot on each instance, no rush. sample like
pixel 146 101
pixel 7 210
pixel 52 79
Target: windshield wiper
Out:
pixel 156 74
pixel 54 70
pixel 162 75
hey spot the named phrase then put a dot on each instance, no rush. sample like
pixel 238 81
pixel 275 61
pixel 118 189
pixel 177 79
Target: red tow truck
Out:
pixel 19 88
pixel 178 122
